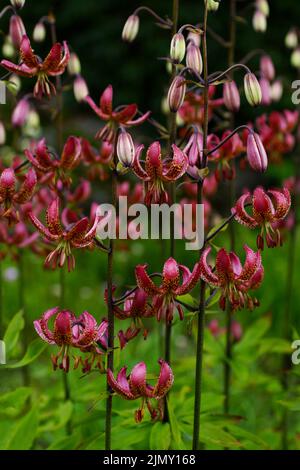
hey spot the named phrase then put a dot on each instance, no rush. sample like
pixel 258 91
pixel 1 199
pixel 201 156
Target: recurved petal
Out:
pixel 205 270
pixel 121 385
pixel 63 327
pixel 138 121
pixel 41 228
pixel 144 281
pixel 27 188
pixel 78 230
pixel 282 203
pixel 178 165
pixel 257 278
pixel 165 380
pixel 137 380
pixel 241 215
pixel 189 281
pixel 53 59
pixel 126 114
pixel 27 54
pixel 262 205
pixel 96 109
pixel 7 183
pixel 52 217
pixel 252 263
pixel 41 325
pixel 22 69
pixel 171 275
pixel 224 268
pixel 71 153
pixel 89 331
pixel 106 100
pixel 137 167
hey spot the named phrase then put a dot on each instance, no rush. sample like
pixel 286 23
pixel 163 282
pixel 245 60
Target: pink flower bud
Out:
pixel 276 90
pixel 265 91
pixel 16 30
pixel 20 113
pixel 177 48
pixel 194 58
pixel 2 133
pixel 256 153
pixel 125 149
pixel 231 96
pixel 39 32
pixel 74 66
pixel 252 89
pixel 194 38
pixel 17 3
pixel 267 67
pixel 176 93
pixel 259 22
pixel 131 28
pixel 80 89
pixel 194 149
pixel 291 39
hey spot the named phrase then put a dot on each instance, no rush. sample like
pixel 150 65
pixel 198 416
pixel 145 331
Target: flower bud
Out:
pixel 259 22
pixel 231 96
pixel 125 149
pixel 16 30
pixel 265 91
pixel 295 58
pixel 194 58
pixel 176 93
pixel 276 90
pixel 74 66
pixel 2 133
pixel 291 39
pixel 39 32
pixel 80 88
pixel 131 28
pixel 177 48
pixel 194 37
pixel 8 48
pixel 212 5
pixel 252 89
pixel 263 7
pixel 17 3
pixel 256 153
pixel 267 67
pixel 20 113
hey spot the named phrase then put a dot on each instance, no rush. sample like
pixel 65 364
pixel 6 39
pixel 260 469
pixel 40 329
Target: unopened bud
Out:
pixel 176 93
pixel 267 67
pixel 177 48
pixel 2 133
pixel 295 58
pixel 194 58
pixel 131 28
pixel 265 91
pixel 125 149
pixel 17 3
pixel 14 83
pixel 231 96
pixel 212 5
pixel 276 90
pixel 39 32
pixel 16 30
pixel 8 48
pixel 80 88
pixel 74 66
pixel 252 89
pixel 256 153
pixel 259 22
pixel 263 7
pixel 194 37
pixel 20 113
pixel 291 39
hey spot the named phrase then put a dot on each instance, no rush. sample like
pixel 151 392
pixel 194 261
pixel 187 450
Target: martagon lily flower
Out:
pixel 165 295
pixel 268 208
pixel 77 235
pixel 158 172
pixel 122 116
pixel 32 66
pixel 135 386
pixel 234 280
pixel 12 196
pixel 68 332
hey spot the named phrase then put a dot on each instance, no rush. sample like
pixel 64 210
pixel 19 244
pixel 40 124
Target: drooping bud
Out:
pixel 295 58
pixel 131 28
pixel 8 49
pixel 291 39
pixel 276 90
pixel 80 88
pixel 18 4
pixel 2 133
pixel 177 48
pixel 39 32
pixel 265 91
pixel 252 89
pixel 125 149
pixel 267 67
pixel 263 7
pixel 194 149
pixel 194 37
pixel 16 30
pixel 176 93
pixel 259 22
pixel 193 58
pixel 256 153
pixel 20 113
pixel 231 96
pixel 74 66
pixel 212 5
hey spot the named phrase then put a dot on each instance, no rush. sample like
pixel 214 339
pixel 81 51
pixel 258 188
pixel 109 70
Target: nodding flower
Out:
pixel 134 386
pixel 232 278
pixel 268 208
pixel 32 66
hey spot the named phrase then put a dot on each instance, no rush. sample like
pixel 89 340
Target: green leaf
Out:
pixel 23 432
pixel 213 434
pixel 13 331
pixel 12 403
pixel 59 419
pixel 253 335
pixel 175 429
pixel 160 436
pixel 35 348
pixel 66 443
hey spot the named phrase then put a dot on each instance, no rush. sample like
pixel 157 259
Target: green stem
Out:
pixel 111 317
pixel 22 306
pixel 201 312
